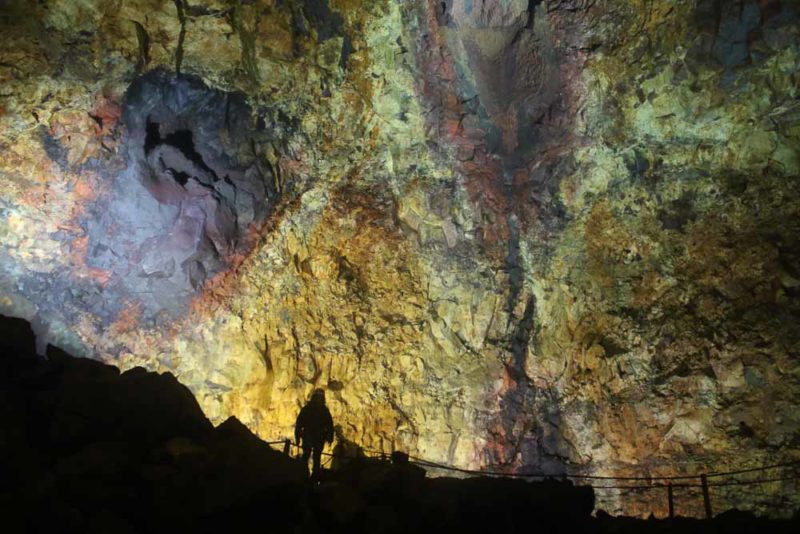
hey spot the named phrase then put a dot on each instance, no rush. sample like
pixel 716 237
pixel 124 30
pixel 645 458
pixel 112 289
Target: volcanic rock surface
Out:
pixel 556 236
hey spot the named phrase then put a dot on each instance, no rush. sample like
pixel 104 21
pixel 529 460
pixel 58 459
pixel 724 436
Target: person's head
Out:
pixel 338 432
pixel 318 396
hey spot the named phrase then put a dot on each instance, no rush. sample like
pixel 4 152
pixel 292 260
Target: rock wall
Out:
pixel 552 236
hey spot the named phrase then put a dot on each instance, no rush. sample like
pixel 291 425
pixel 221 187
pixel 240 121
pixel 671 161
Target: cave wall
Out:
pixel 558 236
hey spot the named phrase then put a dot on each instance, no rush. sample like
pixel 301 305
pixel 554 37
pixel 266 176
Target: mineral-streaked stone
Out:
pixel 556 238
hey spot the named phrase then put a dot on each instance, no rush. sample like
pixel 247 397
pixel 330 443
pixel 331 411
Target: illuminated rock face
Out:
pixel 545 236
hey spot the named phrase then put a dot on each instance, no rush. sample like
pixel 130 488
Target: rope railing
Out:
pixel 656 481
pixel 436 465
pixel 753 482
pixel 710 485
pixel 600 477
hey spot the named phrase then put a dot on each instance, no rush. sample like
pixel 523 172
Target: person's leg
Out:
pixel 317 458
pixel 306 453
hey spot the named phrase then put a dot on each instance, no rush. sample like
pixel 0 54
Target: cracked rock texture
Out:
pixel 552 236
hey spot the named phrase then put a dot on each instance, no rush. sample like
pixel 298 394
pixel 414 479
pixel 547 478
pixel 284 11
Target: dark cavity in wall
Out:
pixel 532 12
pixel 183 141
pixel 194 191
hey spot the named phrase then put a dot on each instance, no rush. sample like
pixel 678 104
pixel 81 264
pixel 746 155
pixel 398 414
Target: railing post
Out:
pixel 670 500
pixel 287 447
pixel 706 498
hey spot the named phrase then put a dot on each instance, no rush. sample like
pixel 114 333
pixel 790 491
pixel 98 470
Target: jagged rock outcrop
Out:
pixel 87 448
pixel 84 448
pixel 557 236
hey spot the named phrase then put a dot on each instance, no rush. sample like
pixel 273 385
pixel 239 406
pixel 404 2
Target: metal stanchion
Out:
pixel 706 498
pixel 670 501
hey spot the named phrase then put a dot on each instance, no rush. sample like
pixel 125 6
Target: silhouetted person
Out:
pixel 345 451
pixel 314 427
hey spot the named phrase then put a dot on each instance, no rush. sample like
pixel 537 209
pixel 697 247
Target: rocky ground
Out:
pixel 556 236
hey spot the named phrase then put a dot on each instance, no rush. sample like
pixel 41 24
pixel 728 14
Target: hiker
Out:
pixel 314 427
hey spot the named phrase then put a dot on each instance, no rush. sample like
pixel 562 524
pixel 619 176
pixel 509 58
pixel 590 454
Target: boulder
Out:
pixel 95 401
pixel 16 338
pixel 250 462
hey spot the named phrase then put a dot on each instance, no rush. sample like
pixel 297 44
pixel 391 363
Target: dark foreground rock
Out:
pixel 85 448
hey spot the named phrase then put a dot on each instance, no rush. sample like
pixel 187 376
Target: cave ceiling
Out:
pixel 553 236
